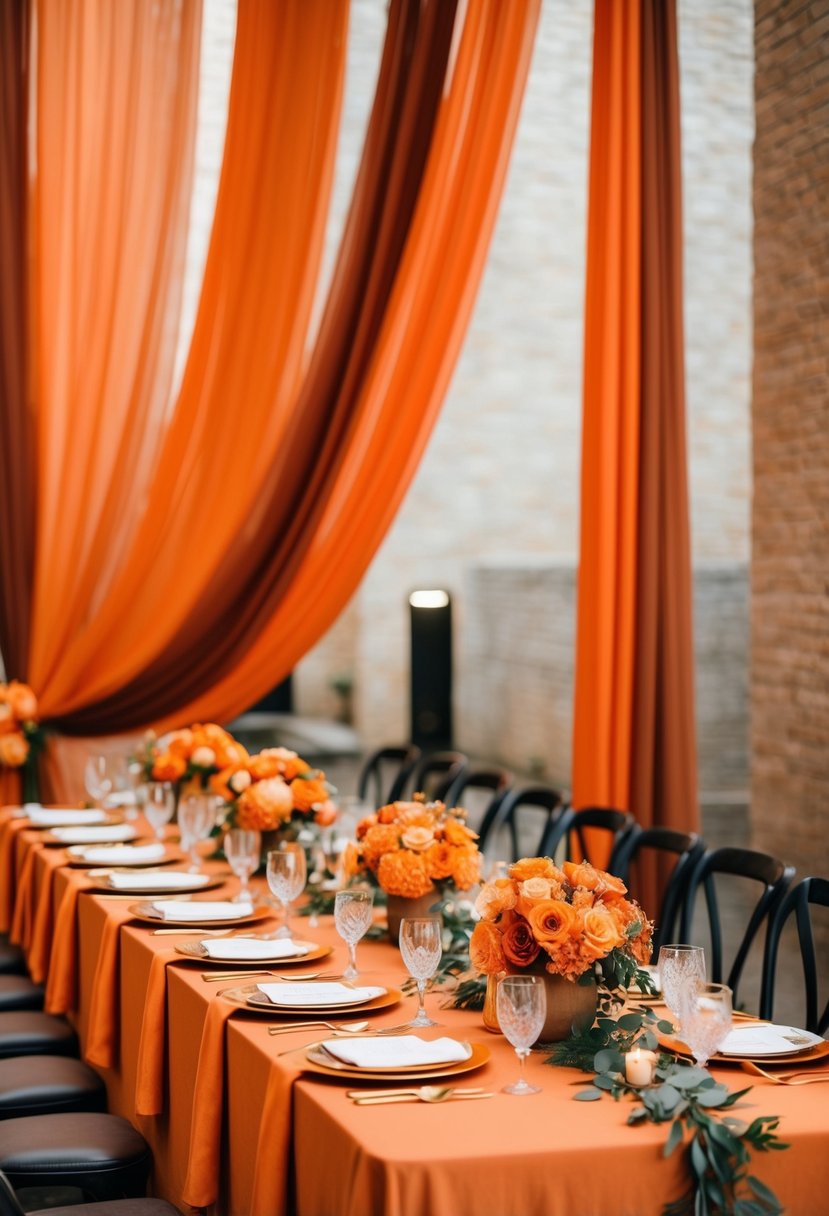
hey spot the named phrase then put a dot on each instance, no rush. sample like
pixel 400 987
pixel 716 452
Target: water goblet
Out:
pixel 680 966
pixel 521 1003
pixel 706 1018
pixel 352 920
pixel 158 801
pixel 98 779
pixel 196 820
pixel 242 848
pixel 286 872
pixel 421 947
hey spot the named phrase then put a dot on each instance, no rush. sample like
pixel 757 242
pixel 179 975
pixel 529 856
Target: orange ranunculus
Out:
pixel 307 792
pixel 553 921
pixel 495 898
pixel 611 888
pixel 22 700
pixel 486 952
pixel 600 934
pixel 458 833
pixel 7 718
pixel 418 839
pixel 14 749
pixel 439 856
pixel 582 874
pixel 519 945
pixel 466 868
pixel 263 767
pixel 403 873
pixel 325 814
pixel 383 838
pixel 534 867
pixel 169 766
pixel 180 743
pixel 265 805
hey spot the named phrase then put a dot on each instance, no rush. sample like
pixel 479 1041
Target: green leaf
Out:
pixel 688 1078
pixel 665 1027
pixel 699 1160
pixel 630 1021
pixel 602 1081
pixel 712 1097
pixel 608 1060
pixel 587 1095
pixel 764 1193
pixel 674 1138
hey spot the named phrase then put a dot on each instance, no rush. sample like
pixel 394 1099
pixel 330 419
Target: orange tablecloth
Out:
pixel 232 1123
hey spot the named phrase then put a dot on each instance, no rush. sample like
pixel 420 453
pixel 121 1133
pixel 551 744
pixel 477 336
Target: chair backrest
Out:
pixel 516 811
pixel 385 772
pixel 434 774
pixel 799 900
pixel 492 782
pixel 673 854
pixel 597 818
pixel 772 875
pixel 9 1205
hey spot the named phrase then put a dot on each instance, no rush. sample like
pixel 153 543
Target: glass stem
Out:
pixel 421 997
pixel 522 1054
pixel 352 957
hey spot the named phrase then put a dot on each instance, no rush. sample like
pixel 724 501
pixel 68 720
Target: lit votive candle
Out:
pixel 640 1066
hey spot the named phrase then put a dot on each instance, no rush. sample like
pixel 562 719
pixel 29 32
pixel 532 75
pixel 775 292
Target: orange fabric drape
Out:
pixel 634 741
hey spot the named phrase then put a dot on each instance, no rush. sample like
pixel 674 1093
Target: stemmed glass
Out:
pixel 421 947
pixel 286 872
pixel 158 801
pixel 98 779
pixel 521 1004
pixel 242 849
pixel 352 920
pixel 196 820
pixel 680 967
pixel 706 1018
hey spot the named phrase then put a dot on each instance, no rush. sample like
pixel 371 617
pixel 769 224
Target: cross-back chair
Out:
pixel 385 772
pixel 518 809
pixel 434 774
pixel 679 850
pixel 616 824
pixel 798 901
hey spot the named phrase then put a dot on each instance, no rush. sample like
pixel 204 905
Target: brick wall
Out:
pixel 790 525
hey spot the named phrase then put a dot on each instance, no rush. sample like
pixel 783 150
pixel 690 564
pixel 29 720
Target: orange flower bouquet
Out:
pixel 21 735
pixel 411 848
pixel 574 922
pixel 274 789
pixel 194 754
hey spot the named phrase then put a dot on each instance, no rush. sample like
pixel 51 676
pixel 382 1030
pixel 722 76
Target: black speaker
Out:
pixel 431 669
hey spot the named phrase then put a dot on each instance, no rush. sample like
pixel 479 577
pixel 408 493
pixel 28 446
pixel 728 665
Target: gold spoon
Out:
pixel 426 1093
pixel 212 977
pixel 352 1027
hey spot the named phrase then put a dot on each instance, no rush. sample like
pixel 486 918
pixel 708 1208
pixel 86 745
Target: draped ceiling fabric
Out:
pixel 634 741
pixel 185 561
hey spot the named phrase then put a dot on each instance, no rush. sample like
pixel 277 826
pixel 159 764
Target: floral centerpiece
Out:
pixel 21 736
pixel 275 790
pixel 573 922
pixel 191 756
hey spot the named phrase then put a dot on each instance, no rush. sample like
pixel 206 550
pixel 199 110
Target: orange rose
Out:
pixel 308 792
pixel 534 867
pixel 325 814
pixel 599 932
pixel 458 833
pixel 519 946
pixel 553 921
pixel 14 749
pixel 495 898
pixel 582 874
pixel 404 873
pixel 417 839
pixel 7 720
pixel 486 952
pixel 611 888
pixel 22 700
pixel 440 858
pixel 466 868
pixel 169 766
pixel 263 767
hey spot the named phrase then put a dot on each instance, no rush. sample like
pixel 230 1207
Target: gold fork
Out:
pixel 795 1078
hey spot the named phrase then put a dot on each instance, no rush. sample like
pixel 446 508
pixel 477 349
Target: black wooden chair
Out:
pixel 385 772
pixel 434 774
pixel 797 901
pixel 12 959
pixel 526 815
pixel 492 783
pixel 48 1085
pixel 19 992
pixel 616 824
pixel 10 1206
pixel 673 855
pixel 33 1033
pixel 773 877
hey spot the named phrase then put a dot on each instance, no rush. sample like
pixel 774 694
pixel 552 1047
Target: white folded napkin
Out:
pixel 63 817
pixel 121 798
pixel 403 1051
pixel 232 948
pixel 158 880
pixel 312 995
pixel 119 855
pixel 216 909
pixel 107 831
pixel 766 1039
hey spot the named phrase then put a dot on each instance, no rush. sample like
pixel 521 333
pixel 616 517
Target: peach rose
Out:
pixel 14 749
pixel 611 888
pixel 169 766
pixel 458 833
pixel 403 873
pixel 519 946
pixel 534 867
pixel 486 952
pixel 239 781
pixel 553 921
pixel 325 814
pixel 599 932
pixel 7 721
pixel 582 874
pixel 203 757
pixel 22 701
pixel 417 839
pixel 495 898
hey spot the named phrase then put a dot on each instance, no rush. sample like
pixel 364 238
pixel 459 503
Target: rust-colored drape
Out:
pixel 634 741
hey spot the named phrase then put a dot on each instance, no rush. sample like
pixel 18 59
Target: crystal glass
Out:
pixel 196 820
pixel 286 872
pixel 680 966
pixel 98 778
pixel 421 947
pixel 158 801
pixel 521 1003
pixel 352 920
pixel 242 849
pixel 706 1018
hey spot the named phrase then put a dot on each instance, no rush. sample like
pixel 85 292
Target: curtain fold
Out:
pixel 634 743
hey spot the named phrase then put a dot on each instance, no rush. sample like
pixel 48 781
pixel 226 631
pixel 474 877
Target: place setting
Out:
pixel 123 856
pixel 252 952
pixel 194 912
pixel 108 832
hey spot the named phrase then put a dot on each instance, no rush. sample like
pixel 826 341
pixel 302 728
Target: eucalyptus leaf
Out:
pixel 630 1021
pixel 712 1098
pixel 602 1081
pixel 608 1060
pixel 674 1138
pixel 587 1095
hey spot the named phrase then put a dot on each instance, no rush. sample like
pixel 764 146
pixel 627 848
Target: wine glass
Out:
pixel 680 966
pixel 352 920
pixel 242 849
pixel 521 1003
pixel 421 947
pixel 286 872
pixel 98 779
pixel 196 820
pixel 158 801
pixel 706 1018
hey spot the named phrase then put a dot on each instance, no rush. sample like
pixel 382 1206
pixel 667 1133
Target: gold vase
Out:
pixel 398 907
pixel 569 1005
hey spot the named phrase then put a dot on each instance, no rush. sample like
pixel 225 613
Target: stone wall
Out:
pixel 790 535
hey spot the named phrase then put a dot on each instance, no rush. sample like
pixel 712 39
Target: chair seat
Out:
pixel 87 1150
pixel 12 960
pixel 35 1085
pixel 19 992
pixel 30 1033
pixel 115 1207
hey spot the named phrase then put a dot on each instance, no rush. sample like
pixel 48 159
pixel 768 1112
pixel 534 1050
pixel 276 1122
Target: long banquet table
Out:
pixel 236 1128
